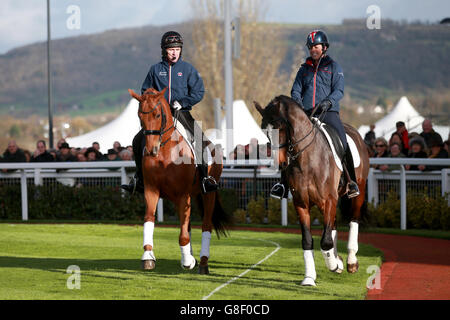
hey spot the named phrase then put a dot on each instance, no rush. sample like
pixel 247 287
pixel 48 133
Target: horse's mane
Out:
pixel 151 91
pixel 287 101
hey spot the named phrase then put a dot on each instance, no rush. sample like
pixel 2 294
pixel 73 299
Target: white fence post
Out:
pixel 37 177
pixel 372 188
pixel 402 197
pixel 445 185
pixel 160 210
pixel 284 212
pixel 24 193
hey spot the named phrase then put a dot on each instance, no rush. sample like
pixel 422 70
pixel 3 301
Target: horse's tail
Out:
pixel 346 208
pixel 220 218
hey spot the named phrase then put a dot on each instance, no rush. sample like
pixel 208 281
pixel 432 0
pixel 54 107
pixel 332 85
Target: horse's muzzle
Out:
pixel 153 152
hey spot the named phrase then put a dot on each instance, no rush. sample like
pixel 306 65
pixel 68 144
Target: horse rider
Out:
pixel 318 87
pixel 185 89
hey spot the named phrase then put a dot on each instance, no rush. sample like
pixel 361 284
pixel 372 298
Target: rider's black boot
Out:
pixel 353 190
pixel 137 183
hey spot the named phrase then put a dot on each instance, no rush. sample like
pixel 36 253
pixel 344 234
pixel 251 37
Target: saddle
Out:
pixel 335 143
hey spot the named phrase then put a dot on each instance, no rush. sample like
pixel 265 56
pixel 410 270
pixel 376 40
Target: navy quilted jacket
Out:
pixel 182 80
pixel 313 85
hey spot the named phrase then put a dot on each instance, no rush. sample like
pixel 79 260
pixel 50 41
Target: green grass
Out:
pixel 34 260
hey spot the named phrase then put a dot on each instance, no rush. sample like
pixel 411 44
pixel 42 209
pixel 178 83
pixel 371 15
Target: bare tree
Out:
pixel 256 74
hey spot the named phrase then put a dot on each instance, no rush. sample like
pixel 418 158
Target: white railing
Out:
pixel 255 171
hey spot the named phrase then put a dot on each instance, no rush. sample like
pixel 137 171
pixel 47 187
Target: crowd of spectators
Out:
pixel 402 144
pixel 64 153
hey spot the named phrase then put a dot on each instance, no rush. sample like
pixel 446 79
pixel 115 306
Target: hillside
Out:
pixel 94 71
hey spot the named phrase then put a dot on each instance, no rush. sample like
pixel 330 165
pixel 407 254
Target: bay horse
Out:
pixel 170 172
pixel 314 179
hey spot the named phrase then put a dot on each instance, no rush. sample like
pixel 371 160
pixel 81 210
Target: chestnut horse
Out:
pixel 314 179
pixel 170 172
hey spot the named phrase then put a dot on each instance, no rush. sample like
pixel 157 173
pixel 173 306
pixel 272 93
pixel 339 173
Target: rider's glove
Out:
pixel 176 105
pixel 325 105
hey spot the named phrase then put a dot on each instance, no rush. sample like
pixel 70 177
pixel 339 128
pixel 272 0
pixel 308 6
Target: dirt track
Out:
pixel 414 268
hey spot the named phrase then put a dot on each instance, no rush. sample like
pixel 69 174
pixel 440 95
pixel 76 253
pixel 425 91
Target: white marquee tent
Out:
pixel 244 128
pixel 122 129
pixel 403 111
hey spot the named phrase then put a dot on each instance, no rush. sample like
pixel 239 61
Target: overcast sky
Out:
pixel 24 21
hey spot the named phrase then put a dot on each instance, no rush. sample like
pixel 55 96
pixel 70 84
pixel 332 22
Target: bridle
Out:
pixel 162 130
pixel 290 143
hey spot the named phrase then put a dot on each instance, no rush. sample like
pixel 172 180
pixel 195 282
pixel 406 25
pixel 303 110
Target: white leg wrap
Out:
pixel 187 260
pixel 334 237
pixel 310 267
pixel 186 250
pixel 206 240
pixel 353 237
pixel 148 233
pixel 148 255
pixel 190 243
pixel 352 245
pixel 330 259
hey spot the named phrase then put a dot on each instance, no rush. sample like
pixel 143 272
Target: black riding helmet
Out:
pixel 170 39
pixel 317 37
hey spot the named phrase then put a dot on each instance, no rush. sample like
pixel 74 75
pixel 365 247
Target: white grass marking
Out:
pixel 246 271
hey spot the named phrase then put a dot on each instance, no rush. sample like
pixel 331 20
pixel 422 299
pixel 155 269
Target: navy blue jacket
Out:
pixel 312 86
pixel 182 80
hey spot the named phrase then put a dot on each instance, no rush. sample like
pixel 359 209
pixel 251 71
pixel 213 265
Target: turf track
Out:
pixel 34 261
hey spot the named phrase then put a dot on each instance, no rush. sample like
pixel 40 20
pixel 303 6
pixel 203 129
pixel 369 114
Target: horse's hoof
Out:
pixel 203 269
pixel 308 282
pixel 148 264
pixel 352 267
pixel 189 263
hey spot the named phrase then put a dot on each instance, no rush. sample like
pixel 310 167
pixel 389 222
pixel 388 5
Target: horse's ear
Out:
pixel 163 91
pixel 258 107
pixel 135 95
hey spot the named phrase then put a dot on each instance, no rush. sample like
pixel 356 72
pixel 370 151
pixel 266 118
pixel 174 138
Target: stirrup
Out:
pixel 275 194
pixel 352 192
pixel 212 184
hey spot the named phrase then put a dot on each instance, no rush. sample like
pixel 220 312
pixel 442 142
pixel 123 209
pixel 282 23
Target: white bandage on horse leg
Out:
pixel 148 233
pixel 190 237
pixel 186 250
pixel 334 237
pixel 148 255
pixel 206 239
pixel 187 260
pixel 310 267
pixel 352 245
pixel 330 259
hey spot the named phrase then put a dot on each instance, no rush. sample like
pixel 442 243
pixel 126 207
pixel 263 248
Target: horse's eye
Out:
pixel 158 116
